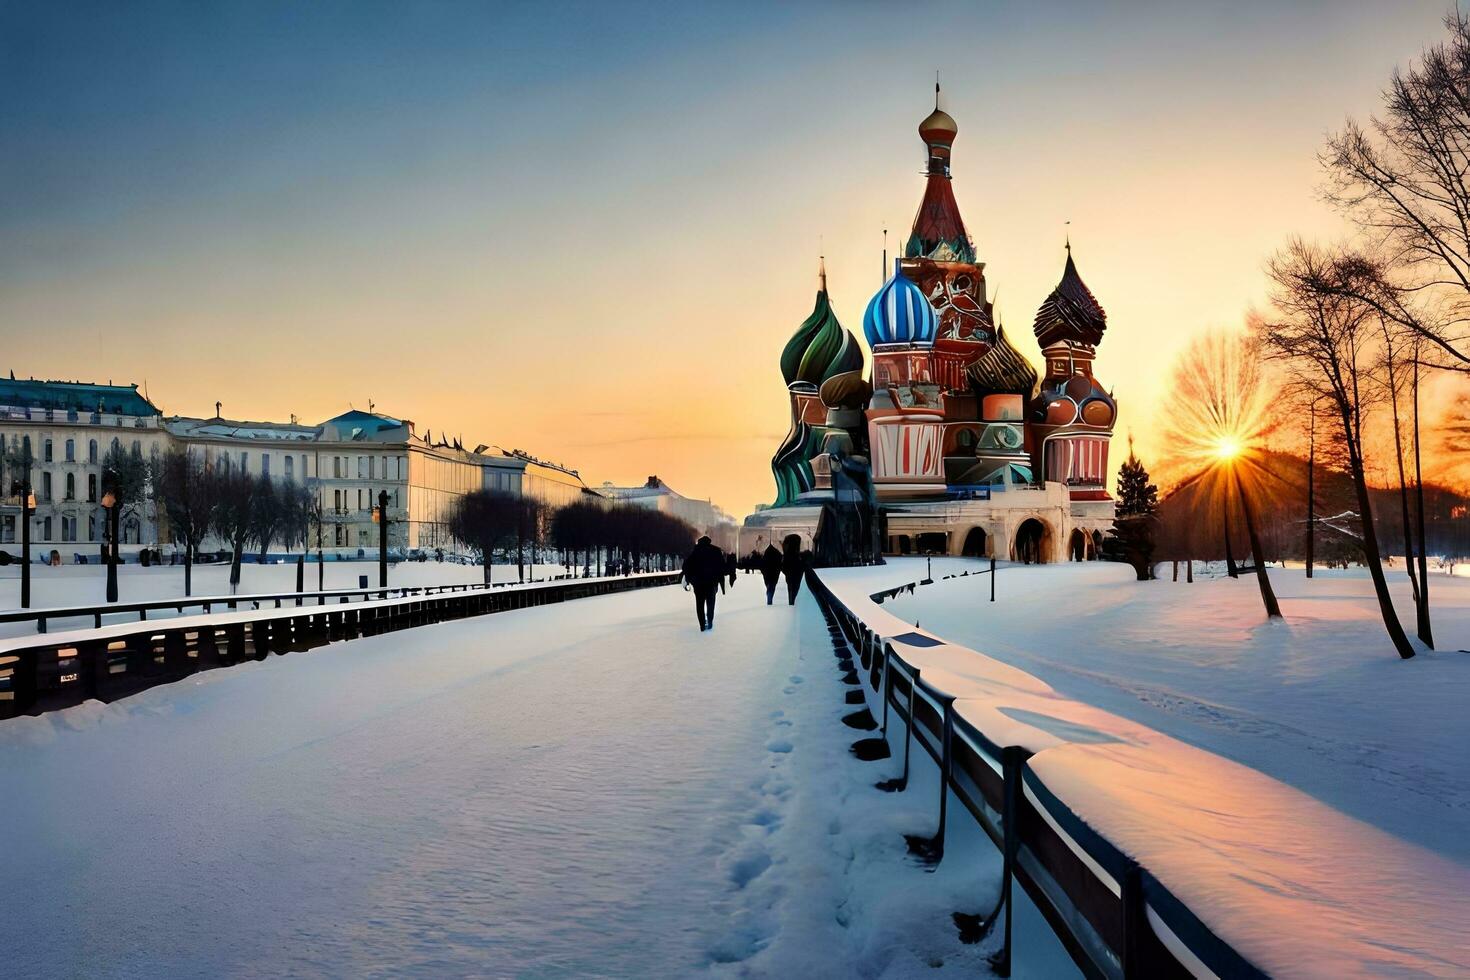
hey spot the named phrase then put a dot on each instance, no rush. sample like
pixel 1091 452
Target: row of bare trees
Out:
pixel 1357 328
pixel 586 534
pixel 241 510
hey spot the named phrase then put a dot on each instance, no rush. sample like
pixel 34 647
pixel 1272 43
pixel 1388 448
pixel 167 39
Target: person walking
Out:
pixel 792 566
pixel 770 566
pixel 731 568
pixel 704 572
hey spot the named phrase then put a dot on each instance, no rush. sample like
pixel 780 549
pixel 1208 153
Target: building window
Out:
pixel 361 468
pixel 337 467
pixel 303 467
pixel 71 485
pixel 116 444
pixel 137 448
pixel 46 529
pixel 265 464
pixel 290 463
pixel 71 450
pixel 92 487
pixel 7 529
pixel 68 529
pixel 91 527
pixel 244 461
pixel 46 451
pixel 92 451
pixel 46 490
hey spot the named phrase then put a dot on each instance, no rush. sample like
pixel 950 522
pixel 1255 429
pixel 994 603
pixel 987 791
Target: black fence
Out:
pixel 43 617
pixel 47 672
pixel 1115 918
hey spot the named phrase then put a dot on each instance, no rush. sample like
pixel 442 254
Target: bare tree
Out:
pixel 1325 337
pixel 1218 425
pixel 186 492
pixel 265 516
pixel 233 490
pixel 1403 179
pixel 485 520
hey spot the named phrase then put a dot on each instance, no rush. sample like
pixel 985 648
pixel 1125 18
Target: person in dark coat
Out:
pixel 730 567
pixel 770 566
pixel 792 567
pixel 704 572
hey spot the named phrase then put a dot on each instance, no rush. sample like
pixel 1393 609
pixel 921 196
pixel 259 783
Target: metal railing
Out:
pixel 47 672
pixel 1114 917
pixel 42 617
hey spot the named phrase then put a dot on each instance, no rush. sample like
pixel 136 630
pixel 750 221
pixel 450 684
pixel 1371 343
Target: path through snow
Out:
pixel 587 789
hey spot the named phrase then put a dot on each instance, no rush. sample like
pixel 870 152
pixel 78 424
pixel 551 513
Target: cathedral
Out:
pixel 952 443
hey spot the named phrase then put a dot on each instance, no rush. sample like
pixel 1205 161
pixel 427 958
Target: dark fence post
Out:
pixel 992 579
pixel 1134 920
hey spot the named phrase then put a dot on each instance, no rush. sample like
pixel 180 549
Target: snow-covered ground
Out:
pixel 1295 864
pixel 590 789
pixel 1319 701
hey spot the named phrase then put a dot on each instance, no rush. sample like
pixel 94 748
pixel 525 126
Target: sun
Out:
pixel 1228 448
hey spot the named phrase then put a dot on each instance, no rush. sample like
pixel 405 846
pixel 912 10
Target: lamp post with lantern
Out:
pixel 380 518
pixel 109 504
pixel 27 508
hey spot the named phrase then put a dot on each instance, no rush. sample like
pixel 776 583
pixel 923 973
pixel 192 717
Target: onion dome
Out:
pixel 939 128
pixel 1002 370
pixel 900 313
pixel 1071 313
pixel 939 231
pixel 847 390
pixel 820 348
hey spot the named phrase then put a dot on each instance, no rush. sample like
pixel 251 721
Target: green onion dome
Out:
pixel 820 348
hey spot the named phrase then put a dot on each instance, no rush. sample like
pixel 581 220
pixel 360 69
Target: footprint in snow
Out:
pixel 795 678
pixel 778 745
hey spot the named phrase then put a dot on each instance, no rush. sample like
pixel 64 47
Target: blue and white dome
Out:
pixel 900 313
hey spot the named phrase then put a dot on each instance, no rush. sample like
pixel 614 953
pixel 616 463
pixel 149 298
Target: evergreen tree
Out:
pixel 1134 523
pixel 1136 496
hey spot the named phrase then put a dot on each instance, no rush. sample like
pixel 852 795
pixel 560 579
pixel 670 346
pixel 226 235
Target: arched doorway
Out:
pixel 1077 546
pixel 1031 542
pixel 974 543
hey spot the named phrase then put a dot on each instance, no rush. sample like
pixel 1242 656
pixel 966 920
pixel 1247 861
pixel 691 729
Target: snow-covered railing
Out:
pixel 42 617
pixel 1114 917
pixel 51 671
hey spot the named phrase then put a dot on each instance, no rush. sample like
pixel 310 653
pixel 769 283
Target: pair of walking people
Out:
pixel 707 567
pixel 788 562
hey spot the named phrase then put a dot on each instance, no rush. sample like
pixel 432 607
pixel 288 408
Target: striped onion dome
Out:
pixel 900 313
pixel 820 348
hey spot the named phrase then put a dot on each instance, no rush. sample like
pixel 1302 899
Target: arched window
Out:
pixel 92 451
pixel 71 450
pixel 137 447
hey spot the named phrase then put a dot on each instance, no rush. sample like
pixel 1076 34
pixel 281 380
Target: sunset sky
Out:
pixel 586 231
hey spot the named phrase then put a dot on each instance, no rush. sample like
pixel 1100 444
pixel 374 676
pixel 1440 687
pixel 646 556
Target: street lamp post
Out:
pixel 380 517
pixel 109 504
pixel 1311 489
pixel 27 508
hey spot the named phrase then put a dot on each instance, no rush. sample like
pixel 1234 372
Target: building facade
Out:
pixel 954 444
pixel 702 515
pixel 346 461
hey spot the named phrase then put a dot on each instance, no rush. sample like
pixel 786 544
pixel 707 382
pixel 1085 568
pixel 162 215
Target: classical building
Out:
pixel 347 461
pixel 655 494
pixel 951 445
